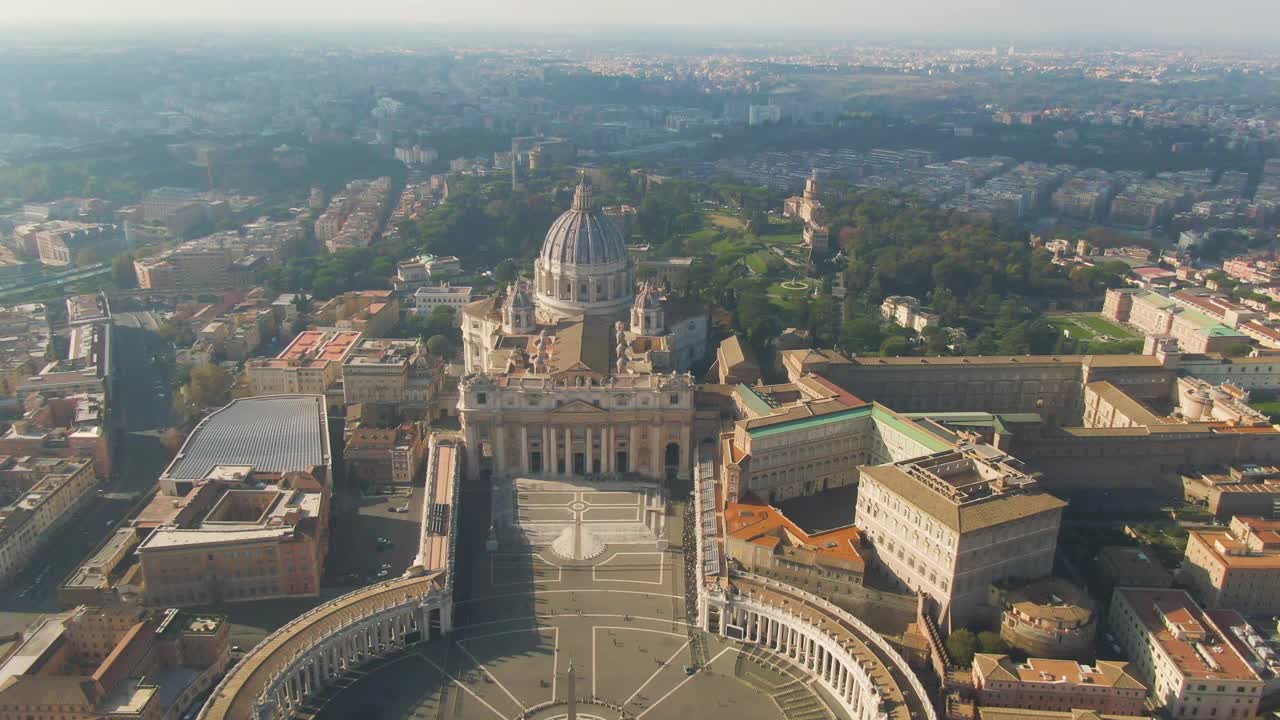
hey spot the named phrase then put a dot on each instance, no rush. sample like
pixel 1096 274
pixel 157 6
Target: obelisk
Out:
pixel 573 694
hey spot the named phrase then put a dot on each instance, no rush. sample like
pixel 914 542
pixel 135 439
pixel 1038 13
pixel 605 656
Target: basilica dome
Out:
pixel 583 237
pixel 583 267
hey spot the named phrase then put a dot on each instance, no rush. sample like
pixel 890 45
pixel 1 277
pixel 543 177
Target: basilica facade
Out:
pixel 580 371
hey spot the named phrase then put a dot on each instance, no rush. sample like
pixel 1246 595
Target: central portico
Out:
pixel 638 424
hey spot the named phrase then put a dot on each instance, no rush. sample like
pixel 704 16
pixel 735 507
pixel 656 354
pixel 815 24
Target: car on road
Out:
pixel 383 541
pixel 386 566
pixel 383 573
pixel 401 509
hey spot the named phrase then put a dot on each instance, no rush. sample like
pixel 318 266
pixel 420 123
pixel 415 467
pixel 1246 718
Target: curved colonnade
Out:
pixel 315 649
pixel 858 667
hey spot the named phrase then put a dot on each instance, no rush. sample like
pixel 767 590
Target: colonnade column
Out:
pixel 591 452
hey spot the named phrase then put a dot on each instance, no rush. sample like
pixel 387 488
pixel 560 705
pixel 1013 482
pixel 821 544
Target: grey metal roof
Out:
pixel 273 433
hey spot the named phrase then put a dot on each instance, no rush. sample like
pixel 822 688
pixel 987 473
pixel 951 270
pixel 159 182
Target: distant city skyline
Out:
pixel 1180 19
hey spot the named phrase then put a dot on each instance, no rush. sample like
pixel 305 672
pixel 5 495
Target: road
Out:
pixel 141 407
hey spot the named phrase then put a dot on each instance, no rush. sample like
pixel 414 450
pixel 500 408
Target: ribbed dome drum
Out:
pixel 583 237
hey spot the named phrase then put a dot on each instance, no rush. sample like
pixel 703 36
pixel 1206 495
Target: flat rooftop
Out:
pixel 271 433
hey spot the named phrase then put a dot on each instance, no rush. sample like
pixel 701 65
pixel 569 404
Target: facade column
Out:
pixel 606 449
pixel 524 448
pixel 633 449
pixel 591 452
pixel 568 451
pixel 656 451
pixel 686 452
pixel 548 452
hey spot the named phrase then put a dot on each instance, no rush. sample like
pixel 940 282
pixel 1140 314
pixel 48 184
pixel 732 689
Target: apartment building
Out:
pixel 113 663
pixel 1236 567
pixel 387 371
pixel 202 263
pixel 764 541
pixel 370 312
pixel 309 365
pixel 63 488
pixel 386 456
pixel 951 523
pixel 1244 489
pixel 1057 685
pixel 427 299
pixel 1181 652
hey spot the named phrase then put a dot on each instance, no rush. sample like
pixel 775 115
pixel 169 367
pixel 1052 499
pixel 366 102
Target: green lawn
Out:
pixel 758 261
pixel 1270 408
pixel 1101 326
pixel 783 239
pixel 725 220
pixel 787 299
pixel 1087 326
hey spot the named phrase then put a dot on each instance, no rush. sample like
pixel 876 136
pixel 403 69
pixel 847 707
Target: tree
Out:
pixel 893 346
pixel 961 645
pixel 991 642
pixel 1237 350
pixel 505 272
pixel 122 272
pixel 440 346
pixel 210 386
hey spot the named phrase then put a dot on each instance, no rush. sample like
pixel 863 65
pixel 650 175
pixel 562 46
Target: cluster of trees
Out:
pixel 439 331
pixel 207 386
pixel 367 268
pixel 984 279
pixel 964 643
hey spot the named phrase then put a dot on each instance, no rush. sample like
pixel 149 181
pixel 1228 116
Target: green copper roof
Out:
pixel 879 414
pixel 910 429
pixel 809 422
pixel 753 400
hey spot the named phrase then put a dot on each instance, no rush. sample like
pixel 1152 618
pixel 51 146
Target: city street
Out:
pixel 141 407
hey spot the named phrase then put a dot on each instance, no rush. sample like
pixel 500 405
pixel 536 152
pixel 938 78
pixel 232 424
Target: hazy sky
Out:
pixel 1148 18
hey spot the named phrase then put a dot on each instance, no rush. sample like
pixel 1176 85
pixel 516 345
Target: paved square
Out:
pixel 618 617
pixel 522 569
pixel 622 566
